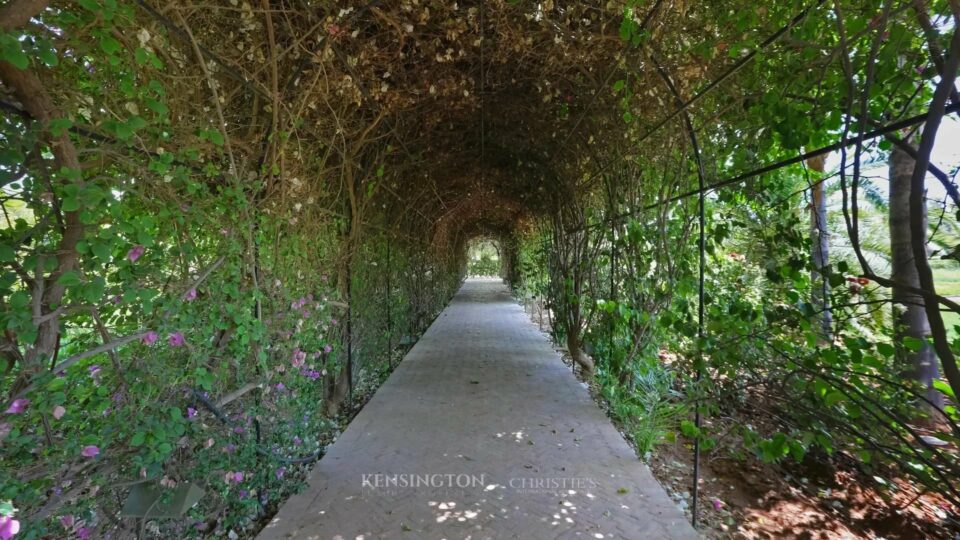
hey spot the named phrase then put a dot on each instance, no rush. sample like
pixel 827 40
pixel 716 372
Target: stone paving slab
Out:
pixel 481 432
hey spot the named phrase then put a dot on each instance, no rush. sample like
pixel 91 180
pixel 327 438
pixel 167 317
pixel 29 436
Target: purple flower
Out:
pixel 83 533
pixel 280 386
pixel 94 371
pixel 717 504
pixel 67 521
pixel 59 411
pixel 176 339
pixel 190 295
pixel 8 527
pixel 297 440
pixel 242 493
pixel 116 299
pixel 90 451
pixel 229 448
pixel 333 322
pixel 327 349
pixel 280 472
pixel 135 253
pixel 191 412
pixel 238 430
pixel 149 338
pixel 18 406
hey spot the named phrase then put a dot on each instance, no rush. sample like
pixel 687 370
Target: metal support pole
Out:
pixel 350 330
pixel 389 310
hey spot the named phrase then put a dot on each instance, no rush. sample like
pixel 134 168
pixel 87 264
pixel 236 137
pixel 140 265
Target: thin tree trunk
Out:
pixel 909 315
pixel 820 249
pixel 918 228
pixel 37 101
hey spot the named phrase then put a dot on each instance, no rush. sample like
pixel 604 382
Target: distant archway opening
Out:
pixel 484 258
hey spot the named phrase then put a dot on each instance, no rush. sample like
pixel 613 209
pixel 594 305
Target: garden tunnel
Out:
pixel 199 194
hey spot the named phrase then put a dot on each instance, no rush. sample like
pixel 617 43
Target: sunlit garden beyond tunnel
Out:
pixel 479 269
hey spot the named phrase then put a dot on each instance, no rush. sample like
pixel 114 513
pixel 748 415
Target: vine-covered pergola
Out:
pixel 248 210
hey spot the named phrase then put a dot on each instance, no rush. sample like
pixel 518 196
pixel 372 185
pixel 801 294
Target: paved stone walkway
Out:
pixel 481 432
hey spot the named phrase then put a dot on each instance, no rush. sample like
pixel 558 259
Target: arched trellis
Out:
pixel 400 132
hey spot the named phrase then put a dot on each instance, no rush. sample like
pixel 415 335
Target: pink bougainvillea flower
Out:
pixel 135 253
pixel 327 349
pixel 176 339
pixel 90 451
pixel 59 411
pixel 18 406
pixel 299 357
pixel 67 521
pixel 8 527
pixel 190 295
pixel 149 338
pixel 717 504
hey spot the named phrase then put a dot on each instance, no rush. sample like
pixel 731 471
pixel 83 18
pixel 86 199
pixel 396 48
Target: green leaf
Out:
pixel 141 55
pixel 215 137
pixel 59 126
pixel 70 279
pixel 70 204
pixel 689 429
pixel 886 349
pixel 110 45
pixel 7 254
pixel 834 397
pixel 48 56
pixel 913 343
pixel 11 50
pixel 945 388
pixel 138 438
pixel 102 251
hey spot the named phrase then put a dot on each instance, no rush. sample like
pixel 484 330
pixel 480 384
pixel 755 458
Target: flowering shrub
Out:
pixel 173 313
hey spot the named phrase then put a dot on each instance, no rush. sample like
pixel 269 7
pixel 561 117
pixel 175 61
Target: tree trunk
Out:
pixel 909 315
pixel 38 102
pixel 573 346
pixel 820 250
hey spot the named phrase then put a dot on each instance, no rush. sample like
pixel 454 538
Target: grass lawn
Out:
pixel 946 275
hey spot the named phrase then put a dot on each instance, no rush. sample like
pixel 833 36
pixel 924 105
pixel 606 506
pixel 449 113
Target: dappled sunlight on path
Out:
pixel 481 432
